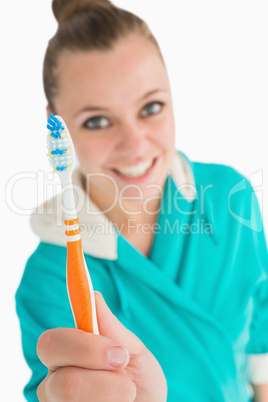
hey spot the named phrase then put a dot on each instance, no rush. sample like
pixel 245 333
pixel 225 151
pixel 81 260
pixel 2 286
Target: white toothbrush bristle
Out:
pixel 60 150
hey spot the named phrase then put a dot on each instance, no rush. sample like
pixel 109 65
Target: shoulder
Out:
pixel 227 196
pixel 223 184
pixel 222 178
pixel 222 188
pixel 218 174
pixel 219 182
pixel 47 253
pixel 46 262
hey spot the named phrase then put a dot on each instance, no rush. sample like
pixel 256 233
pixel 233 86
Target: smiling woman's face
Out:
pixel 118 108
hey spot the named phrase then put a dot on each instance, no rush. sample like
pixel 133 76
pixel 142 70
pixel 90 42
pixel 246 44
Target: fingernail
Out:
pixel 118 357
pixel 99 293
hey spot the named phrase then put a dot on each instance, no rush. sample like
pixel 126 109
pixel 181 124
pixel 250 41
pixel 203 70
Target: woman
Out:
pixel 175 247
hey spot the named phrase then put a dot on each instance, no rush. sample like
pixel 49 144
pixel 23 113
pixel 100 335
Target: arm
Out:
pixel 261 392
pixel 41 303
pixel 257 347
pixel 259 376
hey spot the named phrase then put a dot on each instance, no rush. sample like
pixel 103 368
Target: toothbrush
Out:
pixel 79 286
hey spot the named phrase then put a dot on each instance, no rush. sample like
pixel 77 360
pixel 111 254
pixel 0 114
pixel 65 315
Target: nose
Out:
pixel 132 139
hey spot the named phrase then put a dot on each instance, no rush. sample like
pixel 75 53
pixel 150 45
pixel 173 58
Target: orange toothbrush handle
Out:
pixel 80 289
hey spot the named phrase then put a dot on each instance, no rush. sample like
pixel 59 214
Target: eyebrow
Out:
pixel 98 108
pixel 153 92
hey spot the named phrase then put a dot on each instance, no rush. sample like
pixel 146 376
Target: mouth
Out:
pixel 138 171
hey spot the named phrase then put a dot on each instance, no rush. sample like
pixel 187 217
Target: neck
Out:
pixel 120 211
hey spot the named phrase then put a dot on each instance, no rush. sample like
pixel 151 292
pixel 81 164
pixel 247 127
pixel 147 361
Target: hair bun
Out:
pixel 66 9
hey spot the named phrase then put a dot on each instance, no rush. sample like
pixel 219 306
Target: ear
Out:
pixel 48 111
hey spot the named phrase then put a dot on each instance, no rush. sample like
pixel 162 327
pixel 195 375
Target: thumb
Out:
pixel 144 369
pixel 112 328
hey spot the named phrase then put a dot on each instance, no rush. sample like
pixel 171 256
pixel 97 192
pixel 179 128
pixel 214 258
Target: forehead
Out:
pixel 133 64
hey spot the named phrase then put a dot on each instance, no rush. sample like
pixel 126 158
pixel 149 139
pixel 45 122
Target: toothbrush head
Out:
pixel 60 146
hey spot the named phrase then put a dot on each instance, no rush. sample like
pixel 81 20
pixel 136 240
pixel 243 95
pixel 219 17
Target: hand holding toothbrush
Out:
pixel 114 366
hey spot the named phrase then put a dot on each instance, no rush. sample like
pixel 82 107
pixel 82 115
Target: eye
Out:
pixel 152 108
pixel 96 123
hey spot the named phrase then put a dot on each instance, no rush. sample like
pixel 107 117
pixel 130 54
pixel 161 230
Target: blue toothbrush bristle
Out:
pixel 54 124
pixel 59 151
pixel 55 135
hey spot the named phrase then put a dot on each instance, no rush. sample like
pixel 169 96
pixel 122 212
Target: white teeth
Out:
pixel 137 170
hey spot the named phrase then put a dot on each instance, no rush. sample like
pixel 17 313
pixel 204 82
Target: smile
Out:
pixel 136 170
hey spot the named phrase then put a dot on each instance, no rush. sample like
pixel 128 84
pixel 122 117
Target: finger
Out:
pixel 81 385
pixel 112 328
pixel 42 389
pixel 72 347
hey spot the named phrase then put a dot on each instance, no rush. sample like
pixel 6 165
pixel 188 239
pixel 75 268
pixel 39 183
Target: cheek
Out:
pixel 164 133
pixel 92 152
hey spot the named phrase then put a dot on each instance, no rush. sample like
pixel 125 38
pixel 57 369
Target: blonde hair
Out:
pixel 86 25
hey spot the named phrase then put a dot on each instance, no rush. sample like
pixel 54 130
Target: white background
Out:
pixel 216 55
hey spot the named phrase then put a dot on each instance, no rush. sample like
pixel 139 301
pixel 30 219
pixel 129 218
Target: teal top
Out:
pixel 199 302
